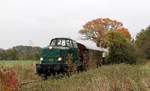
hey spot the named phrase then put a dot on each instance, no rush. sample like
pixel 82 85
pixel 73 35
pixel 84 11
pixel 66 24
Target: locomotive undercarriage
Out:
pixel 45 70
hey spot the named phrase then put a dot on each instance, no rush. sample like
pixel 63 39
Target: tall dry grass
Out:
pixel 13 73
pixel 106 78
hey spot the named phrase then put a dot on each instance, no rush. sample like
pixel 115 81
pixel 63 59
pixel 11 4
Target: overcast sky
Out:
pixel 35 22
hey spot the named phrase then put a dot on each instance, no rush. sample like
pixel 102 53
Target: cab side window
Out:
pixel 53 43
pixel 75 44
pixel 69 43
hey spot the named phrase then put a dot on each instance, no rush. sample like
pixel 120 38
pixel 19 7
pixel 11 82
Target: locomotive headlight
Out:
pixel 50 47
pixel 60 58
pixel 41 59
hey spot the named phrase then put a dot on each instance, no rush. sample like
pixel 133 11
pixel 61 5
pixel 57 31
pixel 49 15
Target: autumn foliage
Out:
pixel 8 80
pixel 125 32
pixel 101 24
pixel 113 35
pixel 98 29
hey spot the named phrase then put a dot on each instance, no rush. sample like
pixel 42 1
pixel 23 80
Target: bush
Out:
pixel 121 49
pixel 8 80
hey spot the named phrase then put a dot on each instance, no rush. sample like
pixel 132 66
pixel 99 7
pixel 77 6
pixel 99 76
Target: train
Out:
pixel 63 56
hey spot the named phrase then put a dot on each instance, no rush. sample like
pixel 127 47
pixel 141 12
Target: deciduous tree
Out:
pixel 143 42
pixel 113 35
pixel 97 29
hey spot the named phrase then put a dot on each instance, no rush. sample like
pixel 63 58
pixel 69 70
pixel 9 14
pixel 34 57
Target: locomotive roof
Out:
pixel 88 44
pixel 63 38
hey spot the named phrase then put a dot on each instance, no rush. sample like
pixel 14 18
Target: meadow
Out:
pixel 12 63
pixel 119 77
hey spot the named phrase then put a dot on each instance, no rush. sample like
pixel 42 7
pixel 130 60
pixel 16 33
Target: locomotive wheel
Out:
pixel 72 68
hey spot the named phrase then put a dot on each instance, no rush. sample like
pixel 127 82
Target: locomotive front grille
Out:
pixel 51 59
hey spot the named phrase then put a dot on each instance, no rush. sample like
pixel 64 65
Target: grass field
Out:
pixel 11 63
pixel 121 77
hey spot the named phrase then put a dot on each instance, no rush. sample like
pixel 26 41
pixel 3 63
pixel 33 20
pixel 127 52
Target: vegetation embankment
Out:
pixel 107 78
pixel 13 73
pixel 120 77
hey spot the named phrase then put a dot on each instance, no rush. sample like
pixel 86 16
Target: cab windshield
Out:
pixel 61 43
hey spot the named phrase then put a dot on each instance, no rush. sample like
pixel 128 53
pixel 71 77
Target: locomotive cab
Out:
pixel 61 56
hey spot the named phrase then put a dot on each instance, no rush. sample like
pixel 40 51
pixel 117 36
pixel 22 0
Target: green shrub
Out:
pixel 143 43
pixel 121 49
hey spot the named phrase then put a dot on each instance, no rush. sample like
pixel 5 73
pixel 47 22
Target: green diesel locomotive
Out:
pixel 62 56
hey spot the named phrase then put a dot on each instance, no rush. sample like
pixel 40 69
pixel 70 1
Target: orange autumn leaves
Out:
pixel 102 24
pixel 97 30
pixel 125 32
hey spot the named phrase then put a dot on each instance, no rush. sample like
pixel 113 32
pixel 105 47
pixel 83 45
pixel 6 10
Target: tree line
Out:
pixel 21 53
